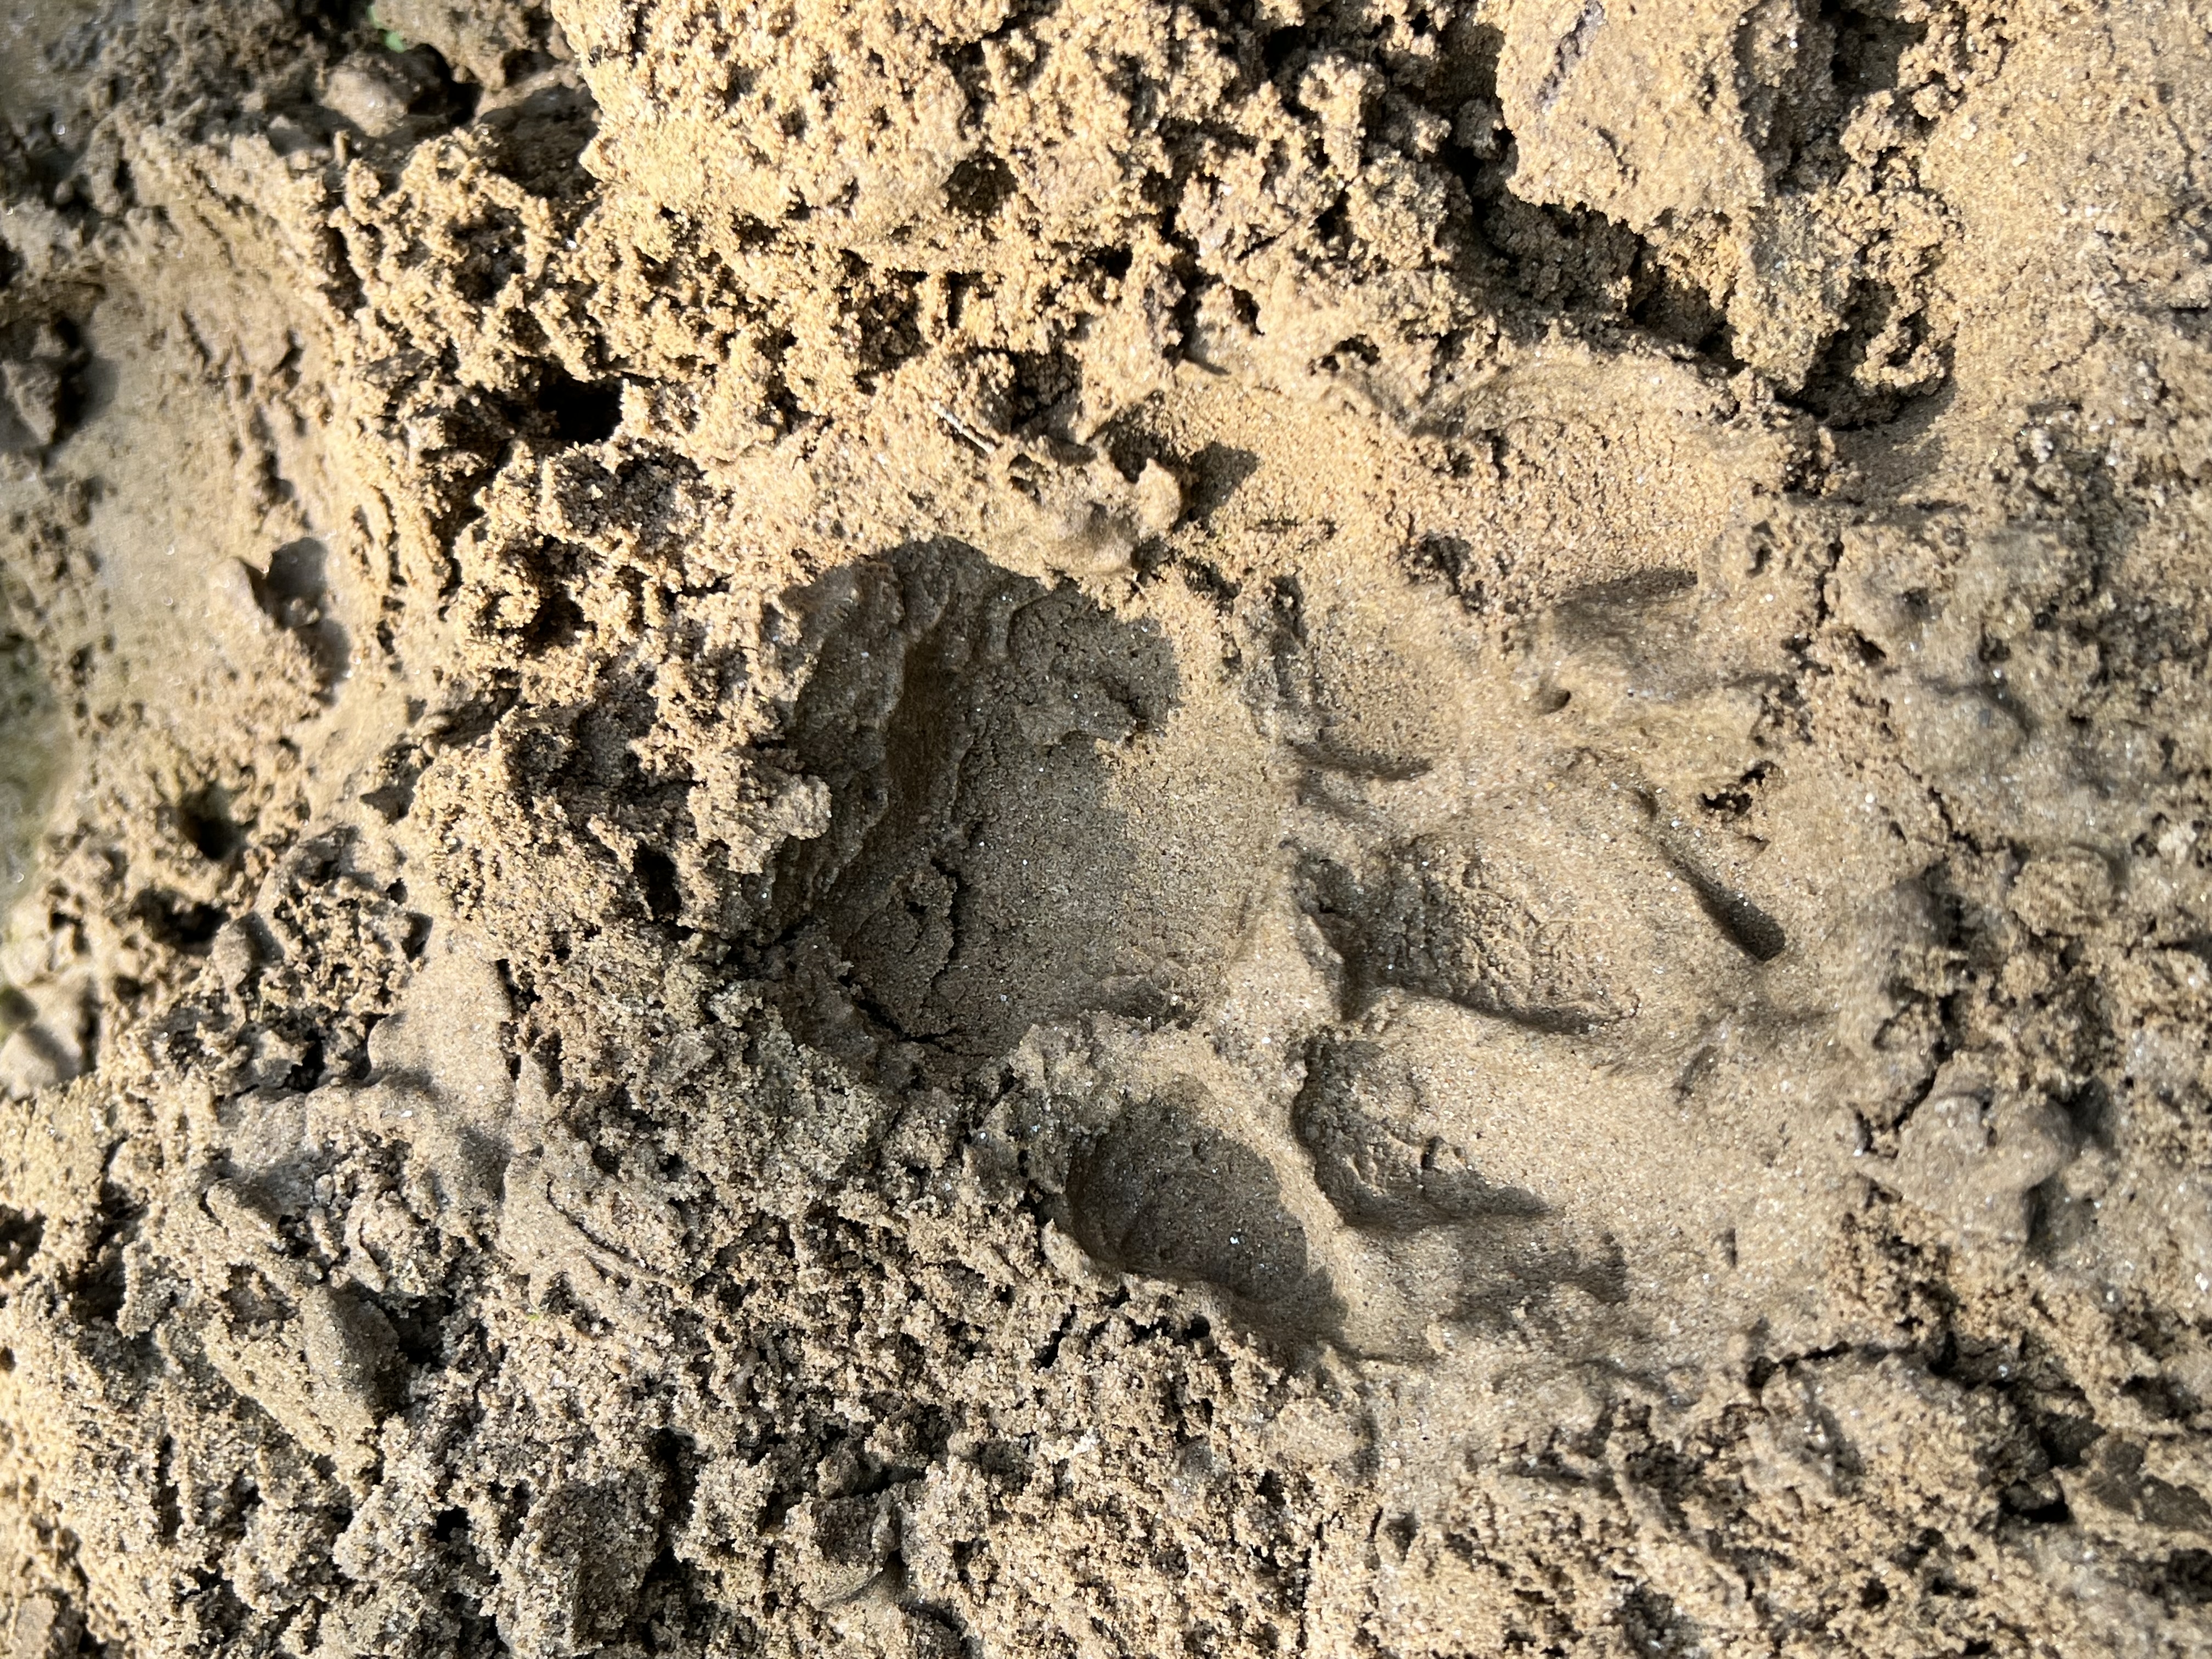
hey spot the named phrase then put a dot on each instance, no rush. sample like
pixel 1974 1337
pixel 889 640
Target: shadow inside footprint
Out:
pixel 1160 1193
pixel 32 760
pixel 1377 1177
pixel 974 877
pixel 1381 1158
pixel 295 595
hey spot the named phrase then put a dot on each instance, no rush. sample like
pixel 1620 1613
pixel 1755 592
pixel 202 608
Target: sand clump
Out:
pixel 1107 828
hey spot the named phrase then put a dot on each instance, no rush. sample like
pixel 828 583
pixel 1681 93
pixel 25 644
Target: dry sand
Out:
pixel 1035 827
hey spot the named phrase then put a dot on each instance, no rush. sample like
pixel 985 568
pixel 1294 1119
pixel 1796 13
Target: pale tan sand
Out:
pixel 1105 827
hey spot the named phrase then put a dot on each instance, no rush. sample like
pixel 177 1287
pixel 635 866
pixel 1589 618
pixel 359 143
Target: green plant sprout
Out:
pixel 393 39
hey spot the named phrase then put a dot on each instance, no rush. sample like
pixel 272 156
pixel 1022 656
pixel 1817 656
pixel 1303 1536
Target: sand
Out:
pixel 1121 827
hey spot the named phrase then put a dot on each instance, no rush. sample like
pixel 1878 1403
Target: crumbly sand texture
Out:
pixel 1049 829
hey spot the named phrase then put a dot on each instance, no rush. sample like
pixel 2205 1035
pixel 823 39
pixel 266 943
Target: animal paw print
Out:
pixel 1436 919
